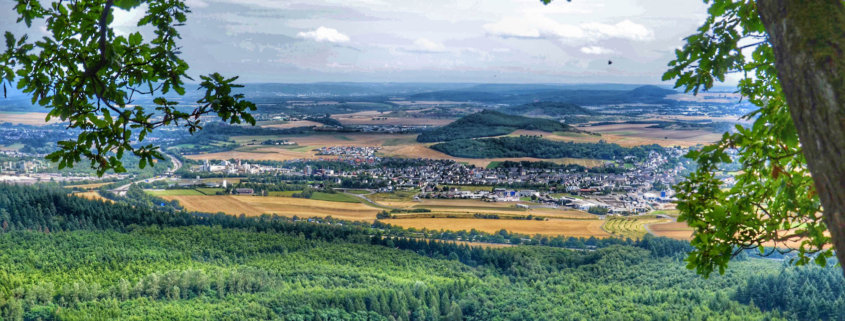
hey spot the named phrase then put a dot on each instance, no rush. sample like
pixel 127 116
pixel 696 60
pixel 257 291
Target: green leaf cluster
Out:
pixel 91 78
pixel 773 201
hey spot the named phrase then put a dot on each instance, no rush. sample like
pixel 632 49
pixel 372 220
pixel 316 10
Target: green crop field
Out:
pixel 209 191
pixel 335 197
pixel 173 192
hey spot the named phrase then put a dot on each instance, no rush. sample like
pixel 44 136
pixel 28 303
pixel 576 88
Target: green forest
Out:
pixel 488 123
pixel 533 146
pixel 67 258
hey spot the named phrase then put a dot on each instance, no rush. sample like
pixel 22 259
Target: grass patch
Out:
pixel 357 191
pixel 173 192
pixel 335 197
pixel 569 134
pixel 341 137
pixel 209 191
pixel 282 193
pixel 396 196
pixel 666 212
pixel 399 141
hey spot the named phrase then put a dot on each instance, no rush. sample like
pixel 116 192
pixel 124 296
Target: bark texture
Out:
pixel 808 38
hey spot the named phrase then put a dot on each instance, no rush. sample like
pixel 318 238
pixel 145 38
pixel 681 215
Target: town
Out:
pixel 626 186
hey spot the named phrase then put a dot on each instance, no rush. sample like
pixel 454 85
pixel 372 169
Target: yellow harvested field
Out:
pixel 628 136
pixel 576 228
pixel 92 196
pixel 468 206
pixel 282 206
pixel 375 118
pixel 26 118
pixel 562 213
pixel 293 124
pixel 633 227
pixel 675 230
pixel 263 153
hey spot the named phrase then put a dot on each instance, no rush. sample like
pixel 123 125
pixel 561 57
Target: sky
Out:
pixel 480 41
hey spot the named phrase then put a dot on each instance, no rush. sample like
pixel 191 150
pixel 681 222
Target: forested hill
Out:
pixel 68 258
pixel 548 108
pixel 488 123
pixel 532 146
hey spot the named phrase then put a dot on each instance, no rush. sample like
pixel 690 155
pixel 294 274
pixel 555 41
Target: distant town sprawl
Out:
pixel 624 186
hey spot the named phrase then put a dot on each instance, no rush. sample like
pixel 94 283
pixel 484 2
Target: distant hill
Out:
pixel 548 108
pixel 489 123
pixel 579 95
pixel 651 91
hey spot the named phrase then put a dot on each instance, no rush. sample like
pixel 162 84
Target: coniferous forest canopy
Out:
pixel 68 258
pixel 532 146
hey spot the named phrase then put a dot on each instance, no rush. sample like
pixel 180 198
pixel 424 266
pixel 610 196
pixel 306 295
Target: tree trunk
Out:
pixel 808 38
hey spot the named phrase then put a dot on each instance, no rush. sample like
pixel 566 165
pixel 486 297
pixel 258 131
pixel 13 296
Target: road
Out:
pixel 121 190
pixel 366 199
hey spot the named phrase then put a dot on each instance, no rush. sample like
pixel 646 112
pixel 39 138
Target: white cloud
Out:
pixel 426 45
pixel 126 22
pixel 512 27
pixel 322 34
pixel 595 50
pixel 539 26
pixel 625 29
pixel 196 3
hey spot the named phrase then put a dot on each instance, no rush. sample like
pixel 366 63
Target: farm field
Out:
pixel 638 134
pixel 209 191
pixel 335 197
pixel 393 145
pixel 288 124
pixel 32 118
pixel 576 228
pixel 629 135
pixel 675 230
pixel 283 206
pixel 173 192
pixel 469 207
pixel 366 118
pixel 631 227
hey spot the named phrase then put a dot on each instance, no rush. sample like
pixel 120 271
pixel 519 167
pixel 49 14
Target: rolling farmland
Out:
pixel 576 228
pixel 632 227
pixel 283 206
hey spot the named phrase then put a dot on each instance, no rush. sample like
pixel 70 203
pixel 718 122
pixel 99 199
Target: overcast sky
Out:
pixel 513 41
